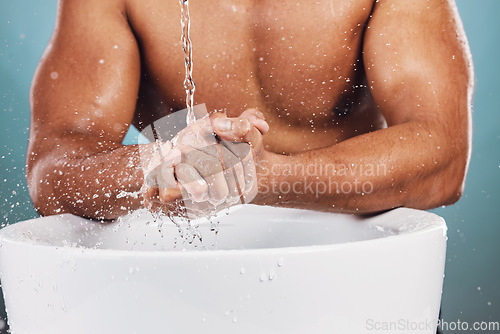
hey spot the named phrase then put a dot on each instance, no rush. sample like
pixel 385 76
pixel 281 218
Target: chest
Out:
pixel 278 55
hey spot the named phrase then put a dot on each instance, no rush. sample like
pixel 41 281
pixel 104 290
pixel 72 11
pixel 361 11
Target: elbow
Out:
pixel 38 197
pixel 41 208
pixel 41 205
pixel 455 176
pixel 445 184
pixel 40 190
pixel 454 194
pixel 442 190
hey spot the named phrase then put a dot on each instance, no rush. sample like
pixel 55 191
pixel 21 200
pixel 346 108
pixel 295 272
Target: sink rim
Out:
pixel 9 236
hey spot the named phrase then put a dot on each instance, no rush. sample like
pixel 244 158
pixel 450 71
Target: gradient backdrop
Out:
pixel 472 282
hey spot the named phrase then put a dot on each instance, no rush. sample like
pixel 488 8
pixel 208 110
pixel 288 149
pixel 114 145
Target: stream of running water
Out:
pixel 187 46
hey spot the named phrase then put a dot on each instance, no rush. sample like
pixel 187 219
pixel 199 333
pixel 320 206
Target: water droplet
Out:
pixel 54 75
pixel 263 277
pixel 281 262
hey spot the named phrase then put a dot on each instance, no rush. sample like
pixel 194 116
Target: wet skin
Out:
pixel 324 76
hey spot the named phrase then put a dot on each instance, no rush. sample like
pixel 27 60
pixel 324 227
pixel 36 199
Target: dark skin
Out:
pixel 324 76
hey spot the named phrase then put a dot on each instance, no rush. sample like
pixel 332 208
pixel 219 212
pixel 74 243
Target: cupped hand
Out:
pixel 209 165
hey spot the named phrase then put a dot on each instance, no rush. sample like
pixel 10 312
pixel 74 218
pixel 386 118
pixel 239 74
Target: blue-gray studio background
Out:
pixel 472 282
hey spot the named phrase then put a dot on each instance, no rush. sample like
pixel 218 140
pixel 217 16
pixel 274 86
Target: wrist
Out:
pixel 268 166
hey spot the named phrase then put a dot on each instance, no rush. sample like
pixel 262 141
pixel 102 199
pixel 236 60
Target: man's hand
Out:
pixel 209 164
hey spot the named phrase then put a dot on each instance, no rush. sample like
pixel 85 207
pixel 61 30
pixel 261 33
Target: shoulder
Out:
pixel 88 9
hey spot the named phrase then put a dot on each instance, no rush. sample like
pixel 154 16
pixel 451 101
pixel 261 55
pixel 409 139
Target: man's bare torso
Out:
pixel 299 62
pixel 302 64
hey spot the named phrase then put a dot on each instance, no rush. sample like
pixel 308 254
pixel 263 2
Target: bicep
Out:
pixel 87 80
pixel 417 62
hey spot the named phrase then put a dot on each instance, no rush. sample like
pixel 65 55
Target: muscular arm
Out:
pixel 417 65
pixel 83 100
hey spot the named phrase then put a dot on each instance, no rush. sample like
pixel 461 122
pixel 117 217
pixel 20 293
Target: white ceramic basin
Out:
pixel 274 271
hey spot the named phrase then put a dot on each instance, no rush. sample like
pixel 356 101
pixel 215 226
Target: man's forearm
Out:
pixel 103 185
pixel 409 165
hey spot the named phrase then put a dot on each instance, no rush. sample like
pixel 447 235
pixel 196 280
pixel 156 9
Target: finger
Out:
pixel 241 151
pixel 252 113
pixel 208 163
pixel 168 189
pixel 222 153
pixel 232 166
pixel 239 175
pixel 245 156
pixel 167 195
pixel 172 158
pixel 151 193
pixel 195 187
pixel 257 119
pixel 237 129
pixel 165 177
pixel 234 188
pixel 197 135
pixel 206 160
pixel 217 188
